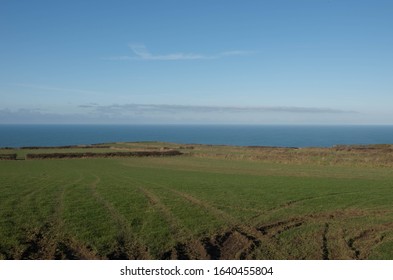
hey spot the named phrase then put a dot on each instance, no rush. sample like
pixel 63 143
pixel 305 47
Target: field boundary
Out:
pixel 104 155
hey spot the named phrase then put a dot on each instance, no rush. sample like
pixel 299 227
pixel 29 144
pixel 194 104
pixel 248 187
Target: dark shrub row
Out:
pixel 104 155
pixel 66 147
pixel 7 156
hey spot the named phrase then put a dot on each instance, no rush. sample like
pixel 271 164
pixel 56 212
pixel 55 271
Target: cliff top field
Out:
pixel 152 200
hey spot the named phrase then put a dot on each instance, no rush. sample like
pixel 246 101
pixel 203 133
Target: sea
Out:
pixel 239 135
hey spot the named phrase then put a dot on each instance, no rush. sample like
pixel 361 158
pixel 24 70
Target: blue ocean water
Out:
pixel 241 135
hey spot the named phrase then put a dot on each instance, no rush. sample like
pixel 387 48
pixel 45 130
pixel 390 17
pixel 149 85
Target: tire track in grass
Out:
pixel 151 200
pixel 178 252
pixel 362 243
pixel 245 241
pixel 30 190
pixel 245 209
pixel 128 246
pixel 275 228
pixel 55 227
pixel 181 250
pixel 325 247
pixel 219 214
pixel 294 202
pixel 68 247
pixel 236 225
pixel 37 240
pixel 370 236
pixel 240 241
pixel 176 230
pixel 50 241
pixel 186 247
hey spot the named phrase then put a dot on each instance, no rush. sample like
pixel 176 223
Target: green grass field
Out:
pixel 213 202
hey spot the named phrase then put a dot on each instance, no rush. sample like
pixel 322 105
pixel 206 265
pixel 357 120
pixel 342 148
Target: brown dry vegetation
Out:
pixel 358 155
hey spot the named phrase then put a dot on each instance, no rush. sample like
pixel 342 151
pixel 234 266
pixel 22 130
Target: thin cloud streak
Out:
pixel 142 53
pixel 166 108
pixel 57 89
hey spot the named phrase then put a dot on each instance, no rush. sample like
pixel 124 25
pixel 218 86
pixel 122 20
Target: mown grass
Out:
pixel 194 206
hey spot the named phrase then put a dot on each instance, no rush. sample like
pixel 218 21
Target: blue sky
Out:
pixel 197 62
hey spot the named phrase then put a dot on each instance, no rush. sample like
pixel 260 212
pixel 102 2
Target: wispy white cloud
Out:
pixel 56 89
pixel 168 108
pixel 142 53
